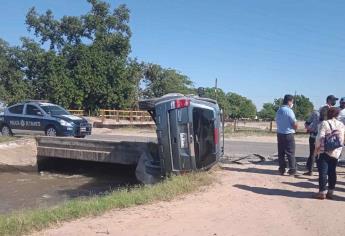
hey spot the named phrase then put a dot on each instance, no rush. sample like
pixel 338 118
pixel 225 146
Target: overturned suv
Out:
pixel 41 117
pixel 189 131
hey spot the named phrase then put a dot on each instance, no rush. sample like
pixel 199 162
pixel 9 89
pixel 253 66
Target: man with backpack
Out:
pixel 329 144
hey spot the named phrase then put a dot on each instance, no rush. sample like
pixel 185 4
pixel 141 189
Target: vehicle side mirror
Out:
pixel 39 113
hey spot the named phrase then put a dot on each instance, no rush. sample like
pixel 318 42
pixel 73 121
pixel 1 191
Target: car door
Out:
pixel 14 117
pixel 33 119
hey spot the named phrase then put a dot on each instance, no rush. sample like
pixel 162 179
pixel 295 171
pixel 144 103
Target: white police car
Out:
pixel 42 118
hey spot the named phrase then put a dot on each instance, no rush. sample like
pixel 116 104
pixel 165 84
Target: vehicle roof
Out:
pixel 39 102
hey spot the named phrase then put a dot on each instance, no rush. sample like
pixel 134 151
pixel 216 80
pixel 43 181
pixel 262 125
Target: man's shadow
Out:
pixel 285 192
pixel 275 192
pixel 282 192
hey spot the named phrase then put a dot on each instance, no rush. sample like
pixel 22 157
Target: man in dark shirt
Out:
pixel 312 125
pixel 330 102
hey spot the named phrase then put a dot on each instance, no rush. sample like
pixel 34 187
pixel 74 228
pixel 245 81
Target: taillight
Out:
pixel 216 136
pixel 181 103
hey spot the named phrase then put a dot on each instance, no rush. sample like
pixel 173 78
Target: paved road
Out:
pixel 231 147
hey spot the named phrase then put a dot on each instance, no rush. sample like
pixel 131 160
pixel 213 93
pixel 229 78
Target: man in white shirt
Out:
pixel 341 116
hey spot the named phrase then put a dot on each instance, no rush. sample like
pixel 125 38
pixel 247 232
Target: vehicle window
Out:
pixel 203 125
pixel 2 106
pixel 54 110
pixel 32 110
pixel 16 109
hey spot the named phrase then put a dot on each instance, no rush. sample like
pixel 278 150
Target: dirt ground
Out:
pixel 246 200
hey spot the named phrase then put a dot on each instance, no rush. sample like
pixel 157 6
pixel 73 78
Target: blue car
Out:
pixel 38 117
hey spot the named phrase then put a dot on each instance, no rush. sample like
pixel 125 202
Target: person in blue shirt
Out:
pixel 286 128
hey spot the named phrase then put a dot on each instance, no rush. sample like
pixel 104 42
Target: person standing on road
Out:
pixel 341 116
pixel 286 128
pixel 329 144
pixel 312 125
pixel 330 102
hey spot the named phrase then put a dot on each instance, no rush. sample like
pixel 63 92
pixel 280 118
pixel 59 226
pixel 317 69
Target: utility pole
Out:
pixel 294 101
pixel 216 88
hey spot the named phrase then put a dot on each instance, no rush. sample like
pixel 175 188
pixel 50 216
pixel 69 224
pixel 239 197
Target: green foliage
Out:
pixel 220 96
pixel 303 107
pixel 159 81
pixel 268 112
pixel 87 66
pixel 13 87
pixel 240 107
pixel 234 105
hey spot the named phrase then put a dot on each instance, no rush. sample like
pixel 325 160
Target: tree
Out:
pixel 159 81
pixel 240 107
pixel 87 65
pixel 268 112
pixel 13 88
pixel 303 107
pixel 220 96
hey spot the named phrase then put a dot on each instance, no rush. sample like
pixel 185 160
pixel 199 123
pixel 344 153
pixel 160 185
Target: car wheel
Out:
pixel 6 131
pixel 51 131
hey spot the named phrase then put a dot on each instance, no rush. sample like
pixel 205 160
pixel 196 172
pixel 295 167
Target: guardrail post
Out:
pixel 117 116
pixel 103 115
pixel 271 126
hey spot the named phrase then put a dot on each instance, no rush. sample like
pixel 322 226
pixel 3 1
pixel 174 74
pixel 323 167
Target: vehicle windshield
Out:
pixel 54 110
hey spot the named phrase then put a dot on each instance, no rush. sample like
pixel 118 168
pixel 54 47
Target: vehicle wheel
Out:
pixel 6 131
pixel 81 136
pixel 51 131
pixel 148 104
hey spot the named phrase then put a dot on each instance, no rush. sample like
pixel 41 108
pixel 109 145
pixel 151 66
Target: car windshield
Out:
pixel 54 110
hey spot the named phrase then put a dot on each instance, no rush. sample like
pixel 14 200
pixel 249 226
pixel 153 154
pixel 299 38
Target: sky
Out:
pixel 260 49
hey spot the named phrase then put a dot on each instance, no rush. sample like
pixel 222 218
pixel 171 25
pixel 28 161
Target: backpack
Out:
pixel 332 139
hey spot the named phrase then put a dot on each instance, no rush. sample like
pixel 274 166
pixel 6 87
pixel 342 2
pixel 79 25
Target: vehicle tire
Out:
pixel 80 136
pixel 148 104
pixel 6 131
pixel 51 131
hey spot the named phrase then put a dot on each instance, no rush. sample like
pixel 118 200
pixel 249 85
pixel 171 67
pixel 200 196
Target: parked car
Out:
pixel 39 117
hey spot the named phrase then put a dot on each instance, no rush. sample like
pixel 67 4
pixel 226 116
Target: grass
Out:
pixel 6 139
pixel 35 220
